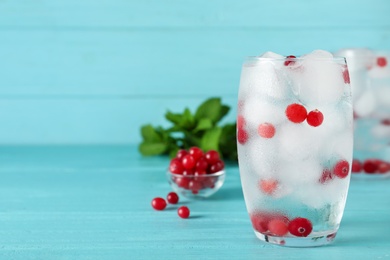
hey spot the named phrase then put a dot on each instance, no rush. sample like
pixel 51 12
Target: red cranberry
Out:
pixel 370 166
pixel 381 61
pixel 326 176
pixel 386 121
pixel 201 164
pixel 341 169
pixel 383 167
pixel 159 203
pixel 356 166
pixel 217 166
pixel 181 153
pixel 195 185
pixel 278 227
pixel 176 166
pixel 189 172
pixel 183 182
pixel 315 118
pixel 242 136
pixel 296 113
pixel 188 162
pixel 346 76
pixel 260 221
pixel 172 198
pixel 266 130
pixel 289 60
pixel 183 212
pixel 300 227
pixel 208 182
pixel 268 186
pixel 212 156
pixel 196 152
pixel 240 122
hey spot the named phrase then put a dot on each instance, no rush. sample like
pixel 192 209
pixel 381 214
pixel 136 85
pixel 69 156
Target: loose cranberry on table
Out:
pixel 159 203
pixel 172 198
pixel 183 212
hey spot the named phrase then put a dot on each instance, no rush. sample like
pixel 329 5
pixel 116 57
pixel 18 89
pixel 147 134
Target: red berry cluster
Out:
pixel 339 170
pixel 195 168
pixel 371 166
pixel 172 198
pixel 280 225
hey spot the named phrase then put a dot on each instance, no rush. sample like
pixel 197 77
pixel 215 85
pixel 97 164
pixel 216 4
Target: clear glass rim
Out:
pixel 258 58
pixel 216 174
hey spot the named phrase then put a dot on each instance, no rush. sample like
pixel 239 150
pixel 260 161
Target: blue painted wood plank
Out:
pixel 162 63
pixel 63 14
pixel 89 121
pixel 105 214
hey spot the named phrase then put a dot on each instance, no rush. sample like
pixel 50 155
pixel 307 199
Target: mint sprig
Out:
pixel 189 129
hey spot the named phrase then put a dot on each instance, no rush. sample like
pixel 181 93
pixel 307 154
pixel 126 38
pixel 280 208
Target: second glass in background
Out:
pixel 370 81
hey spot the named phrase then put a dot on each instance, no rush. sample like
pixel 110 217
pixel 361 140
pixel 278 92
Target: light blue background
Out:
pixel 91 72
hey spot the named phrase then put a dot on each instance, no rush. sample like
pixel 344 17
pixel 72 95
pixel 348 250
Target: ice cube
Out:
pixel 382 95
pixel 298 141
pixel 271 55
pixel 257 111
pixel 320 81
pixel 261 78
pixel 366 104
pixel 262 155
pixel 318 54
pixel 337 119
pixel 338 147
pixel 318 195
pixel 298 173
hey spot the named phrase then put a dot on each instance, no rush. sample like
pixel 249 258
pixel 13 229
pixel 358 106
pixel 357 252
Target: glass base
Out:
pixel 319 239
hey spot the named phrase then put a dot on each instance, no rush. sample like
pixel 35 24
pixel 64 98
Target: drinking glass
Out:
pixel 369 72
pixel 295 139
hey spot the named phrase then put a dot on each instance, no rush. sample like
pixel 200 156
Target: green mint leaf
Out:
pixel 210 140
pixel 149 149
pixel 210 109
pixel 149 134
pixel 203 124
pixel 223 112
pixel 187 120
pixel 174 118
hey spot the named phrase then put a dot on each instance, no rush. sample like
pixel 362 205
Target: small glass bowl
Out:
pixel 191 186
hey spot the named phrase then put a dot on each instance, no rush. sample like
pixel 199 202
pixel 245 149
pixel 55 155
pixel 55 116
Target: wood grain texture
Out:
pixel 93 202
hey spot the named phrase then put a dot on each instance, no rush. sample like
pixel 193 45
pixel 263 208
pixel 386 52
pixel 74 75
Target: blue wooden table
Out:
pixel 93 202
